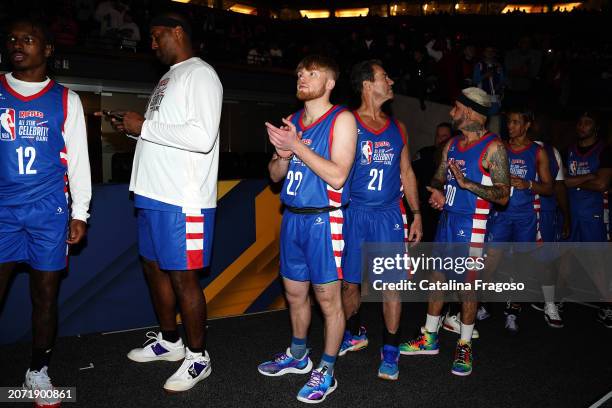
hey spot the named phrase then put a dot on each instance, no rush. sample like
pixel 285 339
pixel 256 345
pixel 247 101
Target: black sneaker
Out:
pixel 604 316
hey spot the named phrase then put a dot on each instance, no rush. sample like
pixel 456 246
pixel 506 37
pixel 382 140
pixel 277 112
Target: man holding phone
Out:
pixel 174 180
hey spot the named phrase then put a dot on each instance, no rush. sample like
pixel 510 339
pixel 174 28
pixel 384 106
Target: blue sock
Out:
pixel 328 362
pixel 298 347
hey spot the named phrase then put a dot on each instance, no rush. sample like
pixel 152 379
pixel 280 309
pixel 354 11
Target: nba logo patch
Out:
pixel 7 124
pixel 367 148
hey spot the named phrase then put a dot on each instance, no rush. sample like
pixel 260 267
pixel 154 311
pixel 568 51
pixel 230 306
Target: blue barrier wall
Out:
pixel 104 289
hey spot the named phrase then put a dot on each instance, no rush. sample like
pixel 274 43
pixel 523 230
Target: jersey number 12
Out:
pixel 28 153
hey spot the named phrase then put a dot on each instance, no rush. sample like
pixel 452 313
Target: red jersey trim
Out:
pixel 24 98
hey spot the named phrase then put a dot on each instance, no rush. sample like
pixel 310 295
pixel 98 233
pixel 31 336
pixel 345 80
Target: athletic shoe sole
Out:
pixel 138 359
pixel 552 324
pixel 289 370
pixel 461 373
pixel 358 347
pixel 329 391
pixel 475 334
pixel 413 353
pixel 55 405
pixel 177 389
pixel 388 377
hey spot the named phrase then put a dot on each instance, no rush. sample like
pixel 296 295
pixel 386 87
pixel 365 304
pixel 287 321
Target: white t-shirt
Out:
pixel 75 138
pixel 559 176
pixel 177 155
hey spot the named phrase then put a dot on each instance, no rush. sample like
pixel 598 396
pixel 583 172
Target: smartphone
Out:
pixel 113 114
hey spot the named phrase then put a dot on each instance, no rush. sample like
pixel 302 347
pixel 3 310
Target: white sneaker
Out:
pixel 156 349
pixel 453 324
pixel 194 369
pixel 39 380
pixel 552 316
pixel 482 313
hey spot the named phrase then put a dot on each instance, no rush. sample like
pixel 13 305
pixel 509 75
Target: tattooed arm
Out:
pixel 496 162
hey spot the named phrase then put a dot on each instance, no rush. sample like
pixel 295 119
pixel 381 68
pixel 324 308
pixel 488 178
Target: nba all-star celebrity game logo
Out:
pixel 7 124
pixel 378 152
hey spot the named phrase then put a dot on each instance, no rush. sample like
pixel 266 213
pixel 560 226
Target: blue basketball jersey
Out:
pixel 32 149
pixel 469 160
pixel 524 165
pixel 303 187
pixel 585 203
pixel 376 174
pixel 549 203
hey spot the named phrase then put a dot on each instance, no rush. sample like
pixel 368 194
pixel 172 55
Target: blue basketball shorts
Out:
pixel 460 236
pixel 585 229
pixel 175 240
pixel 311 247
pixel 372 225
pixel 36 233
pixel 519 229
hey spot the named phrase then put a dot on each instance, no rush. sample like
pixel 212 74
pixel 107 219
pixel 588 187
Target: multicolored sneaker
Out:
pixel 426 343
pixel 462 365
pixel 318 387
pixel 389 369
pixel 285 363
pixel 156 349
pixel 353 342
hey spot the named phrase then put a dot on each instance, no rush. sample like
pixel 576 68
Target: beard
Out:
pixel 309 95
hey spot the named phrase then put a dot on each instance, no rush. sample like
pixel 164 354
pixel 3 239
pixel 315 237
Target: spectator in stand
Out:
pixel 489 76
pixel 64 27
pixel 466 66
pixel 129 30
pixel 522 68
pixel 276 54
pixel 258 55
pixel 110 16
pixel 419 76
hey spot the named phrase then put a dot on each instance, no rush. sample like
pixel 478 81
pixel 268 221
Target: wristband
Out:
pixel 286 158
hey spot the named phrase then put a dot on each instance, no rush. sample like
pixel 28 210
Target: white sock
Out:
pixel 549 293
pixel 466 331
pixel 432 324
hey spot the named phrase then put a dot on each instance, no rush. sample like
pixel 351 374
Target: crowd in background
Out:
pixel 430 57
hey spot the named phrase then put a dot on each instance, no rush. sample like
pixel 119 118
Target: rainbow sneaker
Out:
pixel 285 363
pixel 318 387
pixel 353 342
pixel 389 369
pixel 463 358
pixel 426 343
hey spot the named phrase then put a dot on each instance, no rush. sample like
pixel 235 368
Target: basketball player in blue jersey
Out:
pixel 473 175
pixel 382 171
pixel 589 171
pixel 554 226
pixel 315 149
pixel 518 221
pixel 43 149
